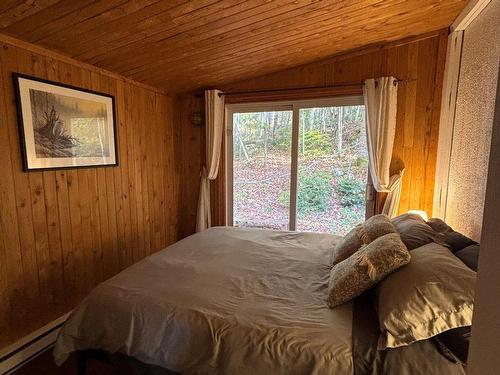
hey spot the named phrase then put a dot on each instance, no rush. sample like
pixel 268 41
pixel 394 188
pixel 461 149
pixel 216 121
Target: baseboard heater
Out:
pixel 16 355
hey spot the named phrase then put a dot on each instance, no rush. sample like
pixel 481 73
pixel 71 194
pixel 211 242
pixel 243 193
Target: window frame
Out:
pixel 290 105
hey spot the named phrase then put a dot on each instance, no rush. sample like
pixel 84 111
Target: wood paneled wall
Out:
pixel 62 232
pixel 419 61
pixel 193 157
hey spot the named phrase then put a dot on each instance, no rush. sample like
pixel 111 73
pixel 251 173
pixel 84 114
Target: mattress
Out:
pixel 235 301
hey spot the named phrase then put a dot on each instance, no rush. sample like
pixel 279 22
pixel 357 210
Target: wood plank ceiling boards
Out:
pixel 181 45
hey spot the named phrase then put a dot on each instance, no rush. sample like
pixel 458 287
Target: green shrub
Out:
pixel 349 217
pixel 351 192
pixel 282 141
pixel 284 198
pixel 361 162
pixel 316 143
pixel 313 193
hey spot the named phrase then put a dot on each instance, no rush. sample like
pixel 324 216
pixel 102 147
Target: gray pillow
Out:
pixel 455 240
pixel 415 232
pixel 470 256
pixel 454 343
pixel 365 268
pixel 432 294
pixel 362 234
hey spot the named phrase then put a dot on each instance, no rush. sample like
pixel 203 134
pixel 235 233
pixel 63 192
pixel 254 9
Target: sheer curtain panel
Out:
pixel 380 96
pixel 214 128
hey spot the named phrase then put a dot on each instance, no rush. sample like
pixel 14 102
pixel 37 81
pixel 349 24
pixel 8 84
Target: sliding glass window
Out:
pixel 299 165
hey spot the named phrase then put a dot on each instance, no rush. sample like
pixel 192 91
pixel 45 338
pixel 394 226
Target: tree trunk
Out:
pixel 340 129
pixel 275 122
pixel 240 141
pixel 266 135
pixel 303 136
pixel 323 120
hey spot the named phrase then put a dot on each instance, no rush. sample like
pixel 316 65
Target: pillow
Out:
pixel 414 231
pixel 438 225
pixel 470 256
pixel 455 240
pixel 454 344
pixel 432 294
pixel 361 234
pixel 366 267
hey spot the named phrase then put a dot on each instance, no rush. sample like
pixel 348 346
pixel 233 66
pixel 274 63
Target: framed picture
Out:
pixel 63 126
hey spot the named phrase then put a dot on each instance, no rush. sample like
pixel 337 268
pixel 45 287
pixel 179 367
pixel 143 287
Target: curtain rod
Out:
pixel 304 88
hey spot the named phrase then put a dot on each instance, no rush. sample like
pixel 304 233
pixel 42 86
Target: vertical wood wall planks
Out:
pixel 12 283
pixel 23 281
pixel 64 231
pixel 418 61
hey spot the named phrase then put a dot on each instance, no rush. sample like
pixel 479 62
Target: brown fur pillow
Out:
pixel 366 267
pixel 362 234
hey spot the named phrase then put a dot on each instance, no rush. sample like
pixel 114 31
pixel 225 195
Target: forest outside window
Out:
pixel 299 165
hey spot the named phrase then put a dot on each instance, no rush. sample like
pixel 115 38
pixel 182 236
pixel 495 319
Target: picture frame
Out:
pixel 63 126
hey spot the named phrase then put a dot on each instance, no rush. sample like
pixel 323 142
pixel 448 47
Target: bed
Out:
pixel 239 301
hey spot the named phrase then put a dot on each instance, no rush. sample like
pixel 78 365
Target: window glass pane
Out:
pixel 332 169
pixel 261 169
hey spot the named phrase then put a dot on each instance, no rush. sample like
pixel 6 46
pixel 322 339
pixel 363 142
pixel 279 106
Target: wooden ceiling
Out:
pixel 181 45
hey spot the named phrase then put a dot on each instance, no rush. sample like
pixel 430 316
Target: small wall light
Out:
pixel 420 213
pixel 197 118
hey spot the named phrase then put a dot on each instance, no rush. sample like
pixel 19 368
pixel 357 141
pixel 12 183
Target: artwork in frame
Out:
pixel 63 126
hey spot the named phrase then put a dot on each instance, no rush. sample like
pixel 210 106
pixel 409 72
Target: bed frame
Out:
pixel 123 364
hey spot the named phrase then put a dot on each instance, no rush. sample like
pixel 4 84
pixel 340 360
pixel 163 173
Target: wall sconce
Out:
pixel 197 118
pixel 420 213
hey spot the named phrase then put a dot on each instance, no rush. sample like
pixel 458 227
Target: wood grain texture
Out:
pixel 182 45
pixel 292 94
pixel 193 157
pixel 62 232
pixel 419 62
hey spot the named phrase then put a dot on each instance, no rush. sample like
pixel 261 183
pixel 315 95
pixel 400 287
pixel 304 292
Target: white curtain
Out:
pixel 214 129
pixel 381 105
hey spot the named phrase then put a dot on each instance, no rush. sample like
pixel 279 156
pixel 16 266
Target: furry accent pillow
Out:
pixel 362 234
pixel 365 268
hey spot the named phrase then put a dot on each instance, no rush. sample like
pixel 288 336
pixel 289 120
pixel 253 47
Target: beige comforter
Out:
pixel 224 301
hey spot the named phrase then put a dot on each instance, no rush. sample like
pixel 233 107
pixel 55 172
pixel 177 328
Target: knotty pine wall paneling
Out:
pixel 419 61
pixel 64 231
pixel 193 157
